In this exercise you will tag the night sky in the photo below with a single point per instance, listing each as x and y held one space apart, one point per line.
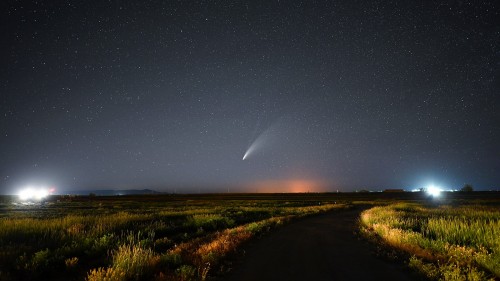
324 95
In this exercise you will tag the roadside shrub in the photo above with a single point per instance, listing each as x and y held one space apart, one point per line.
171 259
137 262
40 260
106 274
104 243
186 272
71 262
208 221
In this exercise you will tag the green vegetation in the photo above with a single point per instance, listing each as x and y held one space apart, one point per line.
445 242
192 237
137 237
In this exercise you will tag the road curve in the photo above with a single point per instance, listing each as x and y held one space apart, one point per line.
322 247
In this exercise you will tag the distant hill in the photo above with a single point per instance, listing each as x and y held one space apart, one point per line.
112 192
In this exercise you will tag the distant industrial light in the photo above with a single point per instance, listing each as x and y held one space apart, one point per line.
434 191
31 193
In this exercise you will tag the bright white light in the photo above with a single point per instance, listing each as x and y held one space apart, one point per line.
434 191
25 194
31 193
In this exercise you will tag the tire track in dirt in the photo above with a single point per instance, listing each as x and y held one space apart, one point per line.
322 247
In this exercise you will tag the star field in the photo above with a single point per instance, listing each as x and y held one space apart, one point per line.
170 95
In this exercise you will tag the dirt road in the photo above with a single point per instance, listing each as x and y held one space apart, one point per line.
323 247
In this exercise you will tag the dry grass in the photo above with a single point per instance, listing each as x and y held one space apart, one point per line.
450 243
197 258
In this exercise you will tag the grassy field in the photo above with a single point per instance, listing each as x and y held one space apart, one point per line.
194 237
445 240
161 237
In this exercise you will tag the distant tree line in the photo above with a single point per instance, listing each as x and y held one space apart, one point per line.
467 188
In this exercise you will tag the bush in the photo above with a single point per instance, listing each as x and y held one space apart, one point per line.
106 274
186 272
136 261
71 262
40 260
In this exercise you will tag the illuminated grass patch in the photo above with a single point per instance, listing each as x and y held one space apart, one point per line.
449 243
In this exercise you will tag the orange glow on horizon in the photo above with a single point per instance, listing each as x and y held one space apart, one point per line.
292 186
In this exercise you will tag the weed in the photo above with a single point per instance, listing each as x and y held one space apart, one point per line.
186 272
137 262
71 262
106 274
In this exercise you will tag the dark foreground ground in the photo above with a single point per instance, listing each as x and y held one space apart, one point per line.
323 247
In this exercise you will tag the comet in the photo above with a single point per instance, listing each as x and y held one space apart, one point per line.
254 146
249 150
260 142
